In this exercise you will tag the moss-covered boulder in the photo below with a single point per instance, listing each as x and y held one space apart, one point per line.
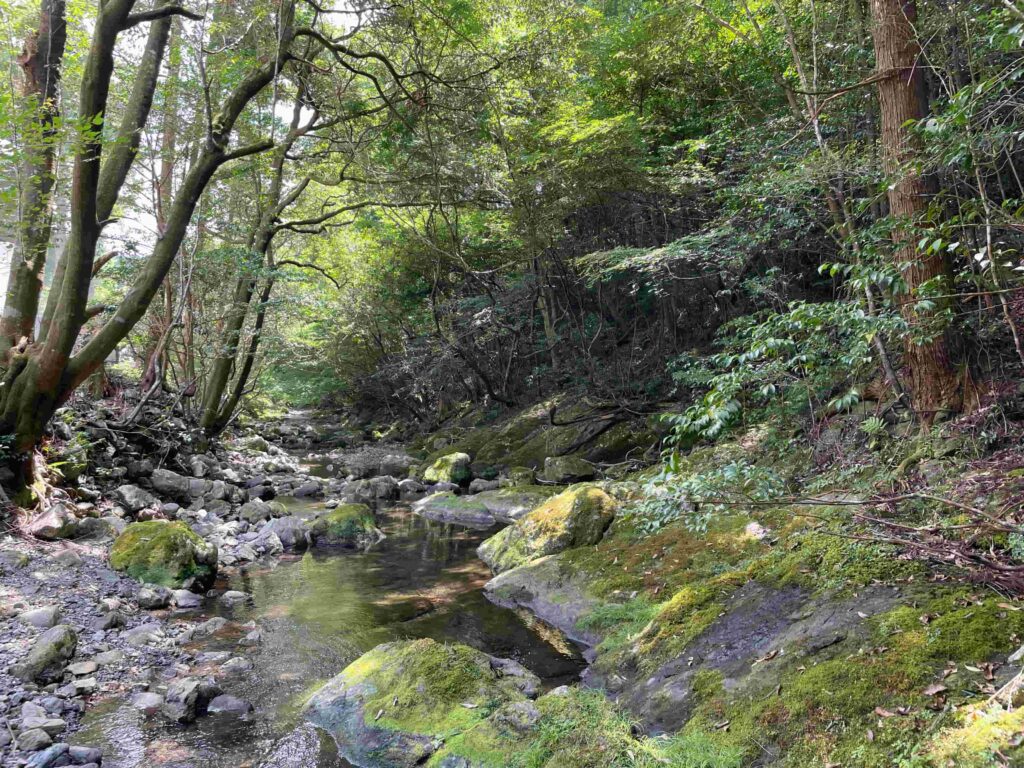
348 525
510 504
447 507
170 554
577 517
450 468
48 655
396 706
516 476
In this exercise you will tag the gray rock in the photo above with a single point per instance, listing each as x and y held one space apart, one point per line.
236 666
448 508
480 485
80 668
395 465
86 755
34 740
50 757
146 634
290 531
567 469
233 597
133 498
188 698
58 522
371 490
311 488
254 511
170 483
48 656
182 598
108 658
147 702
42 618
153 597
229 705
54 726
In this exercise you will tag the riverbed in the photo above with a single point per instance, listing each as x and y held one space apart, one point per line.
318 613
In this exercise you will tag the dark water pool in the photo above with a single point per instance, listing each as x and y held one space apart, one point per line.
318 613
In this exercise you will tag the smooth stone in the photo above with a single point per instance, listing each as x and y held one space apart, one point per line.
43 618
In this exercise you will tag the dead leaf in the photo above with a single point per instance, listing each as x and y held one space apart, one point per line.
379 714
884 712
934 689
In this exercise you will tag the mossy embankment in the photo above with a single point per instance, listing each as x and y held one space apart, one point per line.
774 618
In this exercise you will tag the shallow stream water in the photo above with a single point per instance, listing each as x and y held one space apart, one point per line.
318 613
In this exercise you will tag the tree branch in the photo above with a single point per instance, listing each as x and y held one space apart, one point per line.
164 12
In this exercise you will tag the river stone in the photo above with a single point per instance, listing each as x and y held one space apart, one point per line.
236 665
48 655
34 739
446 507
86 755
385 709
310 488
451 468
290 531
148 702
187 698
371 490
254 511
395 465
52 725
516 476
41 618
50 757
567 469
182 598
58 522
170 483
349 525
80 668
134 499
229 705
153 597
577 517
169 554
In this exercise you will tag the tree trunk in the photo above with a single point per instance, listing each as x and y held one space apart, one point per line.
41 61
936 387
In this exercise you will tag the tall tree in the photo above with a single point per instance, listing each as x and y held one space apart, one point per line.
903 100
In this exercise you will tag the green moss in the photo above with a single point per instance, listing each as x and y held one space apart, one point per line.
985 737
421 686
346 523
450 468
159 552
574 518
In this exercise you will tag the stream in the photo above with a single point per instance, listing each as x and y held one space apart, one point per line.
318 613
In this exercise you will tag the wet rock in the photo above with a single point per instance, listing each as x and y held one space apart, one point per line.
84 755
164 553
188 698
409 487
567 469
253 638
50 757
452 468
49 654
395 465
153 597
311 488
233 597
134 499
229 705
576 517
58 522
510 504
42 618
420 687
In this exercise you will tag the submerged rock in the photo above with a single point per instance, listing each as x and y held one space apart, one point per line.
169 554
348 525
386 709
452 468
576 517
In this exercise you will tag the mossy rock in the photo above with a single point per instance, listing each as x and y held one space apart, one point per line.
48 656
567 469
450 468
348 525
510 504
447 507
394 706
577 517
170 554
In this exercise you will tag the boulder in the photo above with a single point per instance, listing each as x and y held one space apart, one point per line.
567 469
148 702
58 522
510 504
577 517
187 698
451 468
446 507
170 484
348 525
386 708
308 489
169 554
48 656
479 485
518 476
395 465
153 597
41 618
254 511
34 739
290 531
229 705
371 490
133 498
